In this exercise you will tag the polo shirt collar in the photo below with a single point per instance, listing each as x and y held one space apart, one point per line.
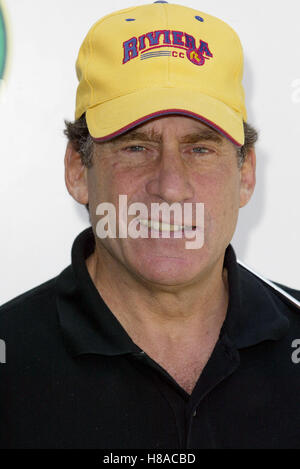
255 313
88 326
87 323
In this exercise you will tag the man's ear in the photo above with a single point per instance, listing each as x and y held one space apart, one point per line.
76 175
247 177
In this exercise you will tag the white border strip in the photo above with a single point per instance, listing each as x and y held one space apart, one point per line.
272 285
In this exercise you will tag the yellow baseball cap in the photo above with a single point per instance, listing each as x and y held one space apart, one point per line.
157 59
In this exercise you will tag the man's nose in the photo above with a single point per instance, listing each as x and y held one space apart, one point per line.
171 180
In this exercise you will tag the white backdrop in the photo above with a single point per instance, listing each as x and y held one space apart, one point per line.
39 220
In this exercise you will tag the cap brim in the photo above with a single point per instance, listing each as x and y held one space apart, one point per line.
116 116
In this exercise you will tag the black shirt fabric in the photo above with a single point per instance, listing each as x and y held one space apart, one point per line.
73 378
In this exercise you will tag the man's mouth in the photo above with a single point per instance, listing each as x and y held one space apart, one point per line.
162 226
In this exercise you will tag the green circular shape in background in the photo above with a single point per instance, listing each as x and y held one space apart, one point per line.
3 44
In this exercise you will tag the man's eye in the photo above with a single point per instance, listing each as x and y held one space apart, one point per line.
201 150
135 148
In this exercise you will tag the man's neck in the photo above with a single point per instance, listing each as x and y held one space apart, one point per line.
162 315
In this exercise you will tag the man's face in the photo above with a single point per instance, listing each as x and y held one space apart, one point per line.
171 159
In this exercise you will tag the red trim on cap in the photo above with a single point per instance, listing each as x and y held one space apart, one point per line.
163 113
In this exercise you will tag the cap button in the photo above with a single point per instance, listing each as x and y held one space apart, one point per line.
160 1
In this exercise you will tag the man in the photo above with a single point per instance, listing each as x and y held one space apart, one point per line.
146 341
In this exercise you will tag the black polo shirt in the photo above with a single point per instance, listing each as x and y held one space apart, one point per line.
73 378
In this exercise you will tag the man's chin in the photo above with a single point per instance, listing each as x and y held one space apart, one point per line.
167 270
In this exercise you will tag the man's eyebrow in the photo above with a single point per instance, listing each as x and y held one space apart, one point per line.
152 136
200 135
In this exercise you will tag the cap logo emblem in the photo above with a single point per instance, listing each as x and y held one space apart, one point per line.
146 46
